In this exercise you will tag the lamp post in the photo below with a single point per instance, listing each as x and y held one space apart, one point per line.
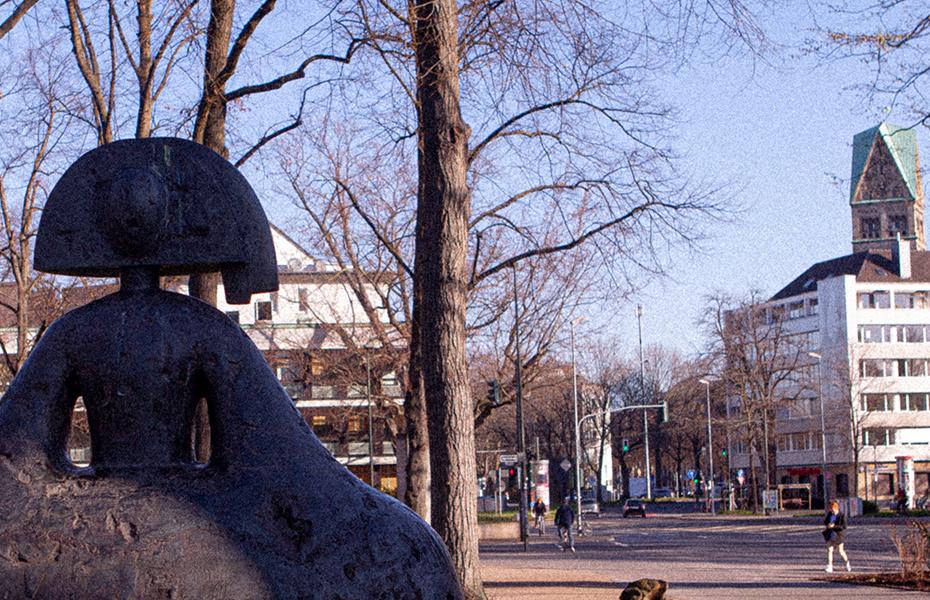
574 322
823 427
710 448
642 385
521 430
371 437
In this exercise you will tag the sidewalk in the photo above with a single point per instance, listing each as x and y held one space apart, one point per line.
719 558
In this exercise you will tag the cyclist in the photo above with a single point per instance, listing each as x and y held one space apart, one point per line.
539 510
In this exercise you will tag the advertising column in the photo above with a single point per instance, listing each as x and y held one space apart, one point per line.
905 471
540 470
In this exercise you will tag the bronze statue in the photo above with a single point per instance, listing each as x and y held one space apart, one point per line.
272 514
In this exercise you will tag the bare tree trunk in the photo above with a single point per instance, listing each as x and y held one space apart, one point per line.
210 130
443 208
18 13
417 494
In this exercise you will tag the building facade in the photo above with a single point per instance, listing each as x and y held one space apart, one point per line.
860 331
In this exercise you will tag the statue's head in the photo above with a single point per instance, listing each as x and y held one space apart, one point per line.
158 202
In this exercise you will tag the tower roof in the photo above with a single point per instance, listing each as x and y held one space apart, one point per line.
901 143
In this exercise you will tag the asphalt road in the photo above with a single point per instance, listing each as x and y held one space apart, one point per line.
701 556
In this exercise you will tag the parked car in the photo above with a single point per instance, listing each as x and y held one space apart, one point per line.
634 506
589 505
662 493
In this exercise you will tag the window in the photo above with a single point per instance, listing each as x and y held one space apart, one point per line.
318 421
263 311
303 300
784 443
795 310
914 367
913 402
842 484
910 300
871 228
813 306
876 299
884 484
878 437
872 367
876 402
233 315
354 425
912 334
874 334
322 391
356 391
316 366
897 224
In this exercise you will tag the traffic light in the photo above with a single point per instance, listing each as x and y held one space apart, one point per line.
626 445
494 392
723 453
665 411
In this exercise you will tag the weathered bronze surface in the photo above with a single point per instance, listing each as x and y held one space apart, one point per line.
273 514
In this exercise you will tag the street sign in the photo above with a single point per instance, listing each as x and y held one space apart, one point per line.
741 476
508 460
565 464
691 473
770 499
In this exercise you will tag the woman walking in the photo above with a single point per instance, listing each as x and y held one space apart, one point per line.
834 526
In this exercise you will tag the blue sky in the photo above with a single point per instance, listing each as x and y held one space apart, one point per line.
780 133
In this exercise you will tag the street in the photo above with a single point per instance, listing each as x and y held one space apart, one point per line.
701 556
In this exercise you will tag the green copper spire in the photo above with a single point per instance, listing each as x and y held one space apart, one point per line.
901 142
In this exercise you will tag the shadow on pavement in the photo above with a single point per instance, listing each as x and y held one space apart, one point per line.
602 585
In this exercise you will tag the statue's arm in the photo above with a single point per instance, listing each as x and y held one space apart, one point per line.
35 411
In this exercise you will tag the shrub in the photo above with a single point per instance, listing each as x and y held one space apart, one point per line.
913 546
869 507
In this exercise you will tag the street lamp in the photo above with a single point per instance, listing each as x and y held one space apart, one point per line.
371 430
576 321
710 447
823 427
642 385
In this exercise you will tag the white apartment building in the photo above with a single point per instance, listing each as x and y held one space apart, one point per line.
867 316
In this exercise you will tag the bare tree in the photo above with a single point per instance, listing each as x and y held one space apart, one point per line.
19 11
36 107
890 38
761 362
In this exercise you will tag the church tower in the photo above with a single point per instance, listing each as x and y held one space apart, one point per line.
886 192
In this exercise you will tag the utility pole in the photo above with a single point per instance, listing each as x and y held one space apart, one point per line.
710 450
642 386
371 437
521 431
577 431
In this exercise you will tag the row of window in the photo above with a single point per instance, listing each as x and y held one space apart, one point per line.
265 309
883 299
796 442
894 367
792 310
871 227
895 402
886 436
890 334
799 409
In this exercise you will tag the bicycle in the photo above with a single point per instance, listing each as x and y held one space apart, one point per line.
584 527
